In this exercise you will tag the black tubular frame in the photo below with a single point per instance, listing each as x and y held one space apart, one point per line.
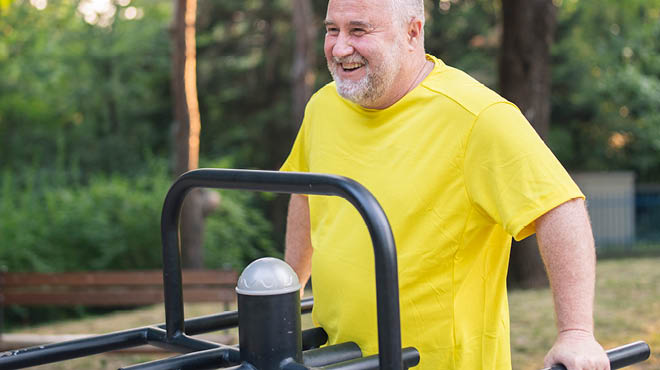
387 286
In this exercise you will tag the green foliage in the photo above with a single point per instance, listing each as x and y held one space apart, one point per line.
109 223
244 63
606 86
238 233
96 95
464 34
113 222
83 108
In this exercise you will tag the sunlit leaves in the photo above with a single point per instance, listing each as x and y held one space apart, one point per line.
64 77
607 85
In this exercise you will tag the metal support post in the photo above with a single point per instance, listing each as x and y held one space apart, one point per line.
269 328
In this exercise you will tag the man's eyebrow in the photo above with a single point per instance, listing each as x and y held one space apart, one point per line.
360 24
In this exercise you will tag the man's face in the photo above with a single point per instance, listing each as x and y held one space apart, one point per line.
363 48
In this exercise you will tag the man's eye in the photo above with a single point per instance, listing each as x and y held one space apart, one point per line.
332 31
358 31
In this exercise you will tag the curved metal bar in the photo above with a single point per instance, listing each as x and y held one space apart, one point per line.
387 286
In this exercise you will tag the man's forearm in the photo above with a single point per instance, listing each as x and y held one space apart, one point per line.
567 246
298 245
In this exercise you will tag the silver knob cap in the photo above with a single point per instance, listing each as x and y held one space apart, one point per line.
267 276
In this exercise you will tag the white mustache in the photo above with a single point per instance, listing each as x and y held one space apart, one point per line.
354 58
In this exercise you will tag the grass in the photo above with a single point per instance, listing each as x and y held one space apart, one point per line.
626 310
627 307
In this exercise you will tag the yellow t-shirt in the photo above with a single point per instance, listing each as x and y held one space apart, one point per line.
458 171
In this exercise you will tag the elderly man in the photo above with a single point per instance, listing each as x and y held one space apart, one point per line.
459 171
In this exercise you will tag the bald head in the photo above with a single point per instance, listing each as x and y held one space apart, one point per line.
406 10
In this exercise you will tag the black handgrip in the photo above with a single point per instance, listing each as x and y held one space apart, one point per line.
621 356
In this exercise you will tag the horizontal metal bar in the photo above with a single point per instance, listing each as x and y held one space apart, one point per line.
410 357
622 356
183 344
314 338
209 323
155 336
208 359
46 354
228 320
331 354
628 354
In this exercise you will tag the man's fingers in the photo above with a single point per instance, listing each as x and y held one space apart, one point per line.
577 351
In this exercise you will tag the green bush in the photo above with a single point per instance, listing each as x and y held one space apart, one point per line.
110 223
238 233
113 223
51 223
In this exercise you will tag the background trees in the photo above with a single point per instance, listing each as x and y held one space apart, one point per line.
86 142
85 101
606 81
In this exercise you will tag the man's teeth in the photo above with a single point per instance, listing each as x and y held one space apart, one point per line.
351 65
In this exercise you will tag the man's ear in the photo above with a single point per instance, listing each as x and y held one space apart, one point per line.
415 33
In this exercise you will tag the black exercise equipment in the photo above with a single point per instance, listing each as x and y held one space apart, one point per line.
268 315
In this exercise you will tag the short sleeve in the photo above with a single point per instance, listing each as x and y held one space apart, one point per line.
298 159
512 177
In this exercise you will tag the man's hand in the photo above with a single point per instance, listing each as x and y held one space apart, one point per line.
577 350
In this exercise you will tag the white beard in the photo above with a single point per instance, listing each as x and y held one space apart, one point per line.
377 80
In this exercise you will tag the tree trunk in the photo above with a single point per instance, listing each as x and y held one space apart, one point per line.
527 34
303 59
187 128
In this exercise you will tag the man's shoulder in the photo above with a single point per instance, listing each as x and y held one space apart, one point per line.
462 89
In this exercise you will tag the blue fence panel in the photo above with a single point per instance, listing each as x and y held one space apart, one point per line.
647 214
621 221
612 219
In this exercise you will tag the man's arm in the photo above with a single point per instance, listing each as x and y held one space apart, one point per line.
298 245
567 247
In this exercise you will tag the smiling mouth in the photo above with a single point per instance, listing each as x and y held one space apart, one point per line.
349 67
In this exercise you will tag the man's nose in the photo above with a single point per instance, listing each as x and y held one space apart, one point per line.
343 46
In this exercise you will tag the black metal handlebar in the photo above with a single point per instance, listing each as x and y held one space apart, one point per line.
621 356
387 286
